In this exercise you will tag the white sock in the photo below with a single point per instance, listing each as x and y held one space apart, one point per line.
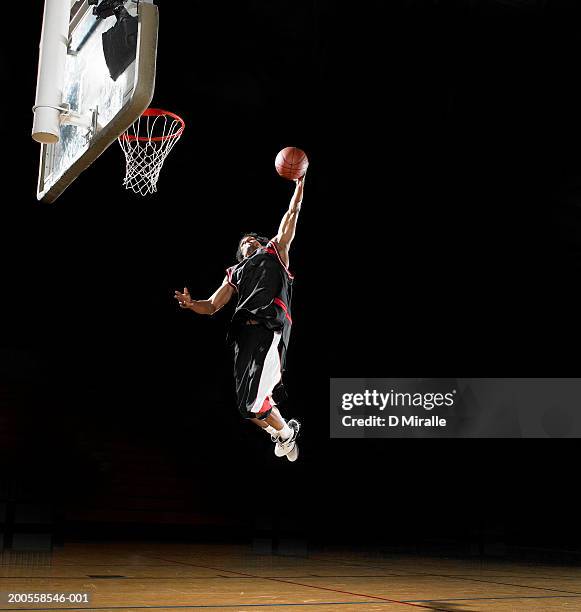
286 432
271 430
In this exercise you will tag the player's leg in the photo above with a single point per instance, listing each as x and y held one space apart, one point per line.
257 370
282 433
286 445
274 424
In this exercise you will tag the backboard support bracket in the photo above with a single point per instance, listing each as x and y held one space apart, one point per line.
70 117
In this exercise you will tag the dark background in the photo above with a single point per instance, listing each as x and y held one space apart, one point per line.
440 236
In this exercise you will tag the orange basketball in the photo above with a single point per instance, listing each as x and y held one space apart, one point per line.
291 163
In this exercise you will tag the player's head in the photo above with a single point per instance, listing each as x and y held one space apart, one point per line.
248 244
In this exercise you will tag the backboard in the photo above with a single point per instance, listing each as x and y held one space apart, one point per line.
98 103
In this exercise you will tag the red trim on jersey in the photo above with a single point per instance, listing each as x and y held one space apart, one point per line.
274 251
265 406
229 277
280 303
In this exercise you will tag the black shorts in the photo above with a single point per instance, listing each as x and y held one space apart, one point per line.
258 366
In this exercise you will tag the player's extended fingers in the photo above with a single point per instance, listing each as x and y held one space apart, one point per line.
186 292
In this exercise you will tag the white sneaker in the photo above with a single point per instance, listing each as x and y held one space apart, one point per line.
294 454
285 448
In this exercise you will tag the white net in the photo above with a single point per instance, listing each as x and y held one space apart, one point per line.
146 144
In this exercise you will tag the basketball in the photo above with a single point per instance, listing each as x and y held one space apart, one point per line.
291 163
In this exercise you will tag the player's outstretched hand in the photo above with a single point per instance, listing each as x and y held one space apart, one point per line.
301 180
184 298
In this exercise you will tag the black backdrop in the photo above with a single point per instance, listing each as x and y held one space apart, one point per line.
439 237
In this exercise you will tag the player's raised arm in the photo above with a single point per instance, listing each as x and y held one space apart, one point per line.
206 307
288 225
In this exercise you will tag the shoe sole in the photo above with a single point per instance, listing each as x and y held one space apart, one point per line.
294 454
284 454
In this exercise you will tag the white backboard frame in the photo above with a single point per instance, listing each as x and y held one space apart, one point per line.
122 102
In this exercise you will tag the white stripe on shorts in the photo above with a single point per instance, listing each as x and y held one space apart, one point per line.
270 375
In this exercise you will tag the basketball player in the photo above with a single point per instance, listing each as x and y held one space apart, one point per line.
261 325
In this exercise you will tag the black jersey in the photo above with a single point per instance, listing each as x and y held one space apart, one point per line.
264 287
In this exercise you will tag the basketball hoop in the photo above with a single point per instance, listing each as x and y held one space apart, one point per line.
146 144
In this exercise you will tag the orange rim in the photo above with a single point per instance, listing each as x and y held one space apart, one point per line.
157 112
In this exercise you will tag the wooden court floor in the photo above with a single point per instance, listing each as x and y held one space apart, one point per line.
169 577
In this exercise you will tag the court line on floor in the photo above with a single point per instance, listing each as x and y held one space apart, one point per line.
118 577
521 586
518 577
456 577
415 574
252 577
473 579
501 598
427 574
343 562
288 605
285 605
101 564
375 564
309 586
378 564
221 606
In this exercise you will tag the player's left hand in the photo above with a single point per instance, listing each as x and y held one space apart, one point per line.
184 298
